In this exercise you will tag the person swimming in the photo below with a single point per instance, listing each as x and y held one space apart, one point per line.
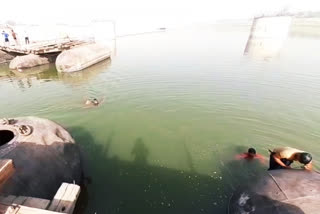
250 155
92 101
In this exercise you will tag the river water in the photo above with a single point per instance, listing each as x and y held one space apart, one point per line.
177 107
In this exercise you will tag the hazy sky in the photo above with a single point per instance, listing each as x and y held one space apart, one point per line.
148 12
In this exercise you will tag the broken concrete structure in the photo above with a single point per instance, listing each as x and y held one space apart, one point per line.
81 57
44 154
28 61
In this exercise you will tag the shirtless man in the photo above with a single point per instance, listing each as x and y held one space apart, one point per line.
282 158
14 36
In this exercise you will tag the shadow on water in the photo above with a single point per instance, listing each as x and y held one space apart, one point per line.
120 186
140 152
189 158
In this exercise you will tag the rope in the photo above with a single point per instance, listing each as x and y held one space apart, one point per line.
278 186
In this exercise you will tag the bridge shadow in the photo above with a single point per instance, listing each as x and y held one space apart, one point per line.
120 186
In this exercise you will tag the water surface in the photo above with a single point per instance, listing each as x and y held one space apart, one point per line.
178 106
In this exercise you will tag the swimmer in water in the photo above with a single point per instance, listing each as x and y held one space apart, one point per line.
250 155
93 102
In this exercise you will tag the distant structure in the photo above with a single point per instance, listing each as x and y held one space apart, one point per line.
267 35
88 45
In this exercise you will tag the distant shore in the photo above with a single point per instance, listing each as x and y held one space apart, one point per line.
300 26
305 27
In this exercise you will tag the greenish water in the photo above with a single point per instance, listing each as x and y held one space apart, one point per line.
178 106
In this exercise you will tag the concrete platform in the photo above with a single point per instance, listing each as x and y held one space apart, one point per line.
280 192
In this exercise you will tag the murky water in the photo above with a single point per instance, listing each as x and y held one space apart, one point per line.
178 106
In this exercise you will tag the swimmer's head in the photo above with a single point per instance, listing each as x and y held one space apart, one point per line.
252 152
95 101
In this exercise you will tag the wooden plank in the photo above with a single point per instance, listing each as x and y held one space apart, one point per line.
41 47
19 200
67 201
56 199
36 203
6 170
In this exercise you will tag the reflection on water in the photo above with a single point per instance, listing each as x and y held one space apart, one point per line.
82 77
46 73
31 71
43 73
25 79
178 107
4 73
